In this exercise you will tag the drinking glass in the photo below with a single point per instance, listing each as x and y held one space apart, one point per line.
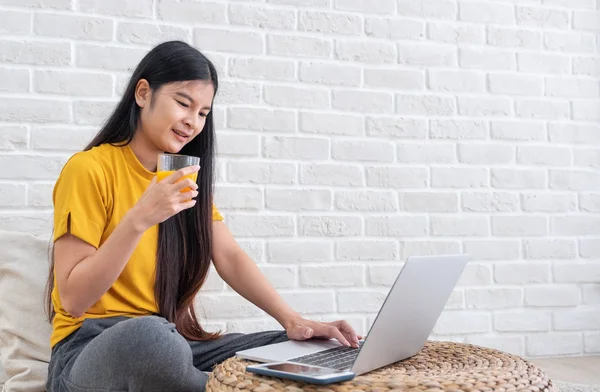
170 163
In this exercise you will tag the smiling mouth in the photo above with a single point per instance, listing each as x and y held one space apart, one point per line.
180 133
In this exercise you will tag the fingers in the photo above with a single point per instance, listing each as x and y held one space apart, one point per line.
187 204
339 330
351 338
337 334
347 331
331 331
173 178
185 196
185 183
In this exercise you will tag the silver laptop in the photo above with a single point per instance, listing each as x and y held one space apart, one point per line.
400 330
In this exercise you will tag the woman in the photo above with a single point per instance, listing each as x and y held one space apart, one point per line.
131 253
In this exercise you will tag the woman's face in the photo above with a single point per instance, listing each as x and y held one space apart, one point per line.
174 114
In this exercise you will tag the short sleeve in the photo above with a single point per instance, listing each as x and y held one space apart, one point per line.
79 197
216 214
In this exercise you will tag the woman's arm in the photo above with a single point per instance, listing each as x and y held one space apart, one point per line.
238 270
84 274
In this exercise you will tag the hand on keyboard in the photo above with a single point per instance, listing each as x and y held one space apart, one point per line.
301 329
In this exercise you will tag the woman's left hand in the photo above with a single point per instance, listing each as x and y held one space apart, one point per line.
303 329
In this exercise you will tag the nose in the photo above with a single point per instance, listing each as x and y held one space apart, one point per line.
191 122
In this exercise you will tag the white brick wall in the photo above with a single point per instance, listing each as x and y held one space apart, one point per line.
353 134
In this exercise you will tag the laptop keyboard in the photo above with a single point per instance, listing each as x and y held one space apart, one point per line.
335 358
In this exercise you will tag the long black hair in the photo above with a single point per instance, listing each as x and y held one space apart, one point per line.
184 241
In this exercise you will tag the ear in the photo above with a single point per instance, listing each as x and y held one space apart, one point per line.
143 93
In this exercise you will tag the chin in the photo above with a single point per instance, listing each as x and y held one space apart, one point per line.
173 148
173 145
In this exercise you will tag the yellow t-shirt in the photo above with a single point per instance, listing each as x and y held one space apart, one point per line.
95 189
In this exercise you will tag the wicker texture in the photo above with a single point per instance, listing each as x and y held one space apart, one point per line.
439 367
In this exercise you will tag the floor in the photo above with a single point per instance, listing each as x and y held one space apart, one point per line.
582 370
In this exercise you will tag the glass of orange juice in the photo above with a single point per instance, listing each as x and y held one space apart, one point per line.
170 163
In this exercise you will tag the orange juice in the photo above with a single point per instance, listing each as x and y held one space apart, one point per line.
163 174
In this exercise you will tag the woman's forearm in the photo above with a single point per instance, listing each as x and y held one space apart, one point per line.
242 275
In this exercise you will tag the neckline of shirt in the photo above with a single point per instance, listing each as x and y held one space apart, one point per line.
135 163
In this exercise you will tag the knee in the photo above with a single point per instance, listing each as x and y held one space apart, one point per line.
145 328
151 342
142 353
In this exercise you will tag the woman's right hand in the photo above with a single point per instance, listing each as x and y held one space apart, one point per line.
163 199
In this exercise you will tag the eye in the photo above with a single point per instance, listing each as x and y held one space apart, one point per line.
203 114
183 104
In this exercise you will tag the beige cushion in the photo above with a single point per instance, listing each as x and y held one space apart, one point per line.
3 376
24 329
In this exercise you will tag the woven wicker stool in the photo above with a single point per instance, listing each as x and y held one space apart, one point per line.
439 367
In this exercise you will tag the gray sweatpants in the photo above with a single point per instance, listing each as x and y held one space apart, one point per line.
141 354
